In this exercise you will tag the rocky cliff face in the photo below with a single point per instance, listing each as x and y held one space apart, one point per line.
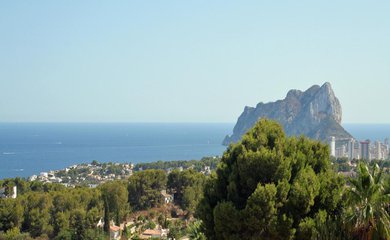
315 113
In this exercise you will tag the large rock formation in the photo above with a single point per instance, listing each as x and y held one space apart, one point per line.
315 113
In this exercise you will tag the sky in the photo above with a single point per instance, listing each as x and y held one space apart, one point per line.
188 61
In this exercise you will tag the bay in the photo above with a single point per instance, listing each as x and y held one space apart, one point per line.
31 148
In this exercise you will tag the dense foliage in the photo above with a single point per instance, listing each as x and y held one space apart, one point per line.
269 186
47 210
51 210
368 205
115 200
198 165
187 187
145 188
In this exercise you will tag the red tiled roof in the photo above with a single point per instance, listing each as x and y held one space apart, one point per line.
115 228
151 232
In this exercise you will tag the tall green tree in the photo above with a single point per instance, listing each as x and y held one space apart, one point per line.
114 195
268 185
60 222
106 217
77 224
11 214
187 187
37 214
145 188
368 203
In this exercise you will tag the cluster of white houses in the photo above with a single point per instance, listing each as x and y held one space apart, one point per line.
90 173
353 149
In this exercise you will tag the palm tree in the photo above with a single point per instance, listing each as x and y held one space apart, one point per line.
368 201
194 231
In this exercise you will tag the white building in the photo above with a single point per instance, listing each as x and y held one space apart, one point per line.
44 174
4 195
168 198
14 192
33 178
332 144
378 150
365 150
351 149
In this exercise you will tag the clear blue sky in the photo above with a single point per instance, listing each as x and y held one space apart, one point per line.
188 61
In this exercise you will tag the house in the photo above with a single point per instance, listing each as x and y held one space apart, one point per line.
151 233
44 175
14 192
168 198
115 233
3 193
33 178
129 226
100 224
164 233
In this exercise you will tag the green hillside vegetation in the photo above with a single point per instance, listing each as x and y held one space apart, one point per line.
198 165
52 211
267 186
187 187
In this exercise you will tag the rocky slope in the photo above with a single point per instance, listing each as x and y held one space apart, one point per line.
315 113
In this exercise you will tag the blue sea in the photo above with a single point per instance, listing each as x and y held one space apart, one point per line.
31 148
368 131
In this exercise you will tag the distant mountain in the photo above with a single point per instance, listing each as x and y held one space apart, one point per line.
315 113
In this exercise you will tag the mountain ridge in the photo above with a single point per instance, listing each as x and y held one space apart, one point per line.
315 113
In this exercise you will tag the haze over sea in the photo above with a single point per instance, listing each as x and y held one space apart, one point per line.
31 148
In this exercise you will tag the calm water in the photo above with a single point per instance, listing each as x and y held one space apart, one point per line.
369 131
30 148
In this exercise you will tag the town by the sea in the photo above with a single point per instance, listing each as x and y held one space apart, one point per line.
30 148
